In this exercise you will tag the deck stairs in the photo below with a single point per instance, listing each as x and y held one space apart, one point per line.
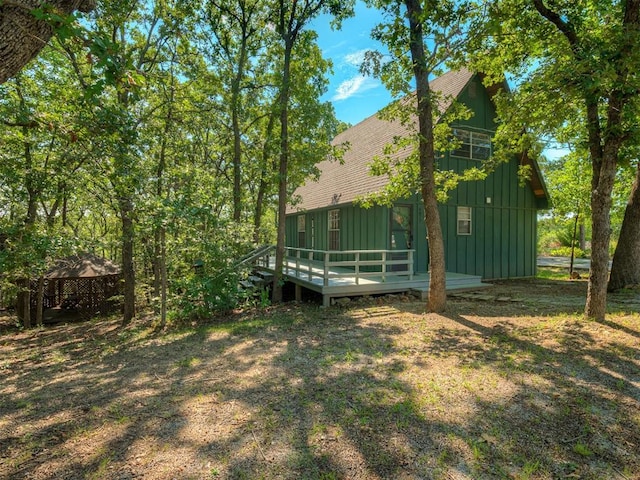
258 279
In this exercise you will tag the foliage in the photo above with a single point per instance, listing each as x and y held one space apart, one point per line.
567 252
117 141
574 63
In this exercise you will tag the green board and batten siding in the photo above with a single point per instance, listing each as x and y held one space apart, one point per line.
502 243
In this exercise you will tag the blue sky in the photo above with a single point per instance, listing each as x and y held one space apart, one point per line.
354 96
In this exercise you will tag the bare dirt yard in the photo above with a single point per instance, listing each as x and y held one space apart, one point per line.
513 384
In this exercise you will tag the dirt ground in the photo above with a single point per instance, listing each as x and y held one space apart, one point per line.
511 384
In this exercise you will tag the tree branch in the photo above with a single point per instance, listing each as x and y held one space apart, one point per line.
566 28
29 124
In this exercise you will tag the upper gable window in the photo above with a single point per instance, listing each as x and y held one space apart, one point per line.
474 145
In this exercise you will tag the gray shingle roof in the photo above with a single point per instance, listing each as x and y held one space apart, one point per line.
83 266
341 183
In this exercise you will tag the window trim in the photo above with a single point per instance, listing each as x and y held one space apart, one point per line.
333 224
462 219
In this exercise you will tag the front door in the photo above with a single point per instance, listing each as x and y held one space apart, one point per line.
401 234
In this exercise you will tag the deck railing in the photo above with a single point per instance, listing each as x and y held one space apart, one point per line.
325 265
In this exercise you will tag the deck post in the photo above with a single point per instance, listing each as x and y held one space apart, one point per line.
384 266
410 266
298 292
326 271
285 267
310 266
326 301
357 268
297 263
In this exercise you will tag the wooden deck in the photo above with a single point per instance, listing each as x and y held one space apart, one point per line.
358 273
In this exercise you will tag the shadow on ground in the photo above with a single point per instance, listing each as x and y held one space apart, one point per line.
373 391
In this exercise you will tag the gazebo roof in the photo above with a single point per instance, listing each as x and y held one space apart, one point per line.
83 266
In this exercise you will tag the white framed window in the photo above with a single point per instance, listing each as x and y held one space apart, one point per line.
334 229
473 145
302 231
464 220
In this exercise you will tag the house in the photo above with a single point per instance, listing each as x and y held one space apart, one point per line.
489 226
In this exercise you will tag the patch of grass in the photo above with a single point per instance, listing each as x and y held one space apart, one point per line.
102 470
552 273
406 413
189 362
582 449
58 356
328 476
117 411
351 356
318 429
529 469
479 450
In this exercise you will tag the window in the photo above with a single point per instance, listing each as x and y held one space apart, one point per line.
474 145
302 234
464 220
334 229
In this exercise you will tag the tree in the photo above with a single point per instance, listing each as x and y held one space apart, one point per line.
442 23
570 188
24 32
290 20
574 60
128 39
39 159
625 269
238 27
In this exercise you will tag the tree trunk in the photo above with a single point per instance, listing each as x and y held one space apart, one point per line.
40 304
437 271
625 269
163 276
573 243
282 171
157 254
257 217
30 184
583 236
604 176
237 134
262 186
128 271
22 35
29 178
23 304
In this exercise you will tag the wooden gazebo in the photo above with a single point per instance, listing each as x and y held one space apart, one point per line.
83 283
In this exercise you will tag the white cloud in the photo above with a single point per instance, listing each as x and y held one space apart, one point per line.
356 58
352 86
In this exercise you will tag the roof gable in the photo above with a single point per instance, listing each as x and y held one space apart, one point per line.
342 182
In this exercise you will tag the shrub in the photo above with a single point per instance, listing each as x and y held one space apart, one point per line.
566 252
